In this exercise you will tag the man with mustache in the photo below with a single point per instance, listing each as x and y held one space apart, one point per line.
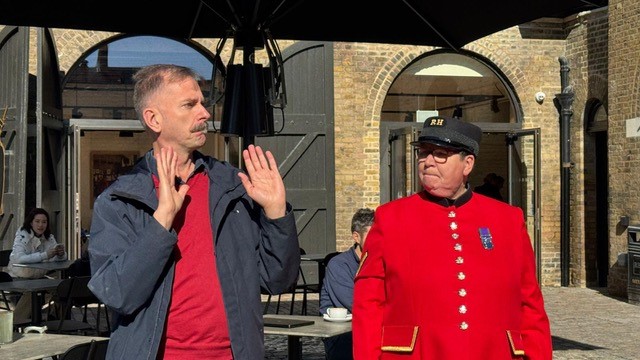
182 244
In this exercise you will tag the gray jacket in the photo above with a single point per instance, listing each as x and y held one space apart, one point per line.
132 261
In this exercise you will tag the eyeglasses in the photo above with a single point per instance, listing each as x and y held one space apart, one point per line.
440 155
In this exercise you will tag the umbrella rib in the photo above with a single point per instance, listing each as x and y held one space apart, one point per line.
589 3
272 18
203 2
195 20
429 24
275 10
233 12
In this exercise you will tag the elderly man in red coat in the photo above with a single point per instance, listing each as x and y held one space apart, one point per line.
446 273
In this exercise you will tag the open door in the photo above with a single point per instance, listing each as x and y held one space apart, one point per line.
45 175
398 172
523 182
14 102
73 189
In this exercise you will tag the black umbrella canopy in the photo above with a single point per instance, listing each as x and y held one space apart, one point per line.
446 23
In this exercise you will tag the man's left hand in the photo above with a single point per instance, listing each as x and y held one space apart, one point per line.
264 183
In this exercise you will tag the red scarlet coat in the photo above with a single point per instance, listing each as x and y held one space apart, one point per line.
427 287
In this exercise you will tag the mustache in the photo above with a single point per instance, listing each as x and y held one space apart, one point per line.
199 127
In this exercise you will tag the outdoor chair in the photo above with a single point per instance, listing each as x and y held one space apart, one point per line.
74 292
5 277
300 287
4 258
323 266
303 287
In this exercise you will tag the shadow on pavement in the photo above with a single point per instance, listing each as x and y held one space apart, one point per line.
566 344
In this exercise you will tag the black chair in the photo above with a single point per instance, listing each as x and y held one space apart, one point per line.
300 287
73 292
86 298
290 290
95 350
5 277
303 287
323 265
4 258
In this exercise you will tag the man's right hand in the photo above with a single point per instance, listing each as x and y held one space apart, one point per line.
169 199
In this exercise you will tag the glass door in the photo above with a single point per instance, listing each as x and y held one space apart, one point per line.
523 182
92 145
74 170
521 159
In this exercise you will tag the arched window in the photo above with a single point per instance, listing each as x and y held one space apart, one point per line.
100 86
449 84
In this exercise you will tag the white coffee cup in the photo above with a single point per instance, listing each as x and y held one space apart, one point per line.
6 327
337 312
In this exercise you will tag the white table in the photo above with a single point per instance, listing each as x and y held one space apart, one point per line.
61 266
37 346
320 328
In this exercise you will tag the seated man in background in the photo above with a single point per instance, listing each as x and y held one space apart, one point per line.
337 286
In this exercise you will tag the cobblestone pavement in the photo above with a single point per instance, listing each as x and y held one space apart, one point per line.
589 324
585 324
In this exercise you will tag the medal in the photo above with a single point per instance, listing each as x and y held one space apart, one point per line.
485 237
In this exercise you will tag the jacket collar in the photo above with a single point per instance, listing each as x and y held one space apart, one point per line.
461 200
137 185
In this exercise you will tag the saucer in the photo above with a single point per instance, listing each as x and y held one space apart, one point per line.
329 318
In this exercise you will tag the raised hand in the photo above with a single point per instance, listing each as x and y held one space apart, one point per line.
170 199
264 183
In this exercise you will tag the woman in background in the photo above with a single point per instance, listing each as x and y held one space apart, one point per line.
33 243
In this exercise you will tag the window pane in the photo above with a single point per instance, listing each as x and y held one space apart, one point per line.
100 86
448 84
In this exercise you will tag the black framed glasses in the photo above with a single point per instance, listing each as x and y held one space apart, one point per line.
440 155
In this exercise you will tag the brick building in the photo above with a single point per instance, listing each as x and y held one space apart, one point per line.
601 51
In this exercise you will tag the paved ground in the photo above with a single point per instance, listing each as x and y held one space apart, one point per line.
588 324
585 324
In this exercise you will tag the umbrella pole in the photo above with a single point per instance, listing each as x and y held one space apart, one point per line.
248 53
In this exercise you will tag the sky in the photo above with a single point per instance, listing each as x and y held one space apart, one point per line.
139 51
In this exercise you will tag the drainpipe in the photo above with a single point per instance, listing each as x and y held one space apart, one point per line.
563 103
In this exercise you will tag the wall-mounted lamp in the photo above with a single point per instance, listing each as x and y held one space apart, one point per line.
76 113
540 97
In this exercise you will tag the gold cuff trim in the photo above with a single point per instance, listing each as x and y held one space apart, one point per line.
404 348
515 351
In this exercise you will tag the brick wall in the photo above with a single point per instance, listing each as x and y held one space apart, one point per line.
587 57
624 104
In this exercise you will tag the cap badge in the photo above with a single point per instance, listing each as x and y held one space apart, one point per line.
485 237
437 121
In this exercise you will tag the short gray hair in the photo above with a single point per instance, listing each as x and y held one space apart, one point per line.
149 79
